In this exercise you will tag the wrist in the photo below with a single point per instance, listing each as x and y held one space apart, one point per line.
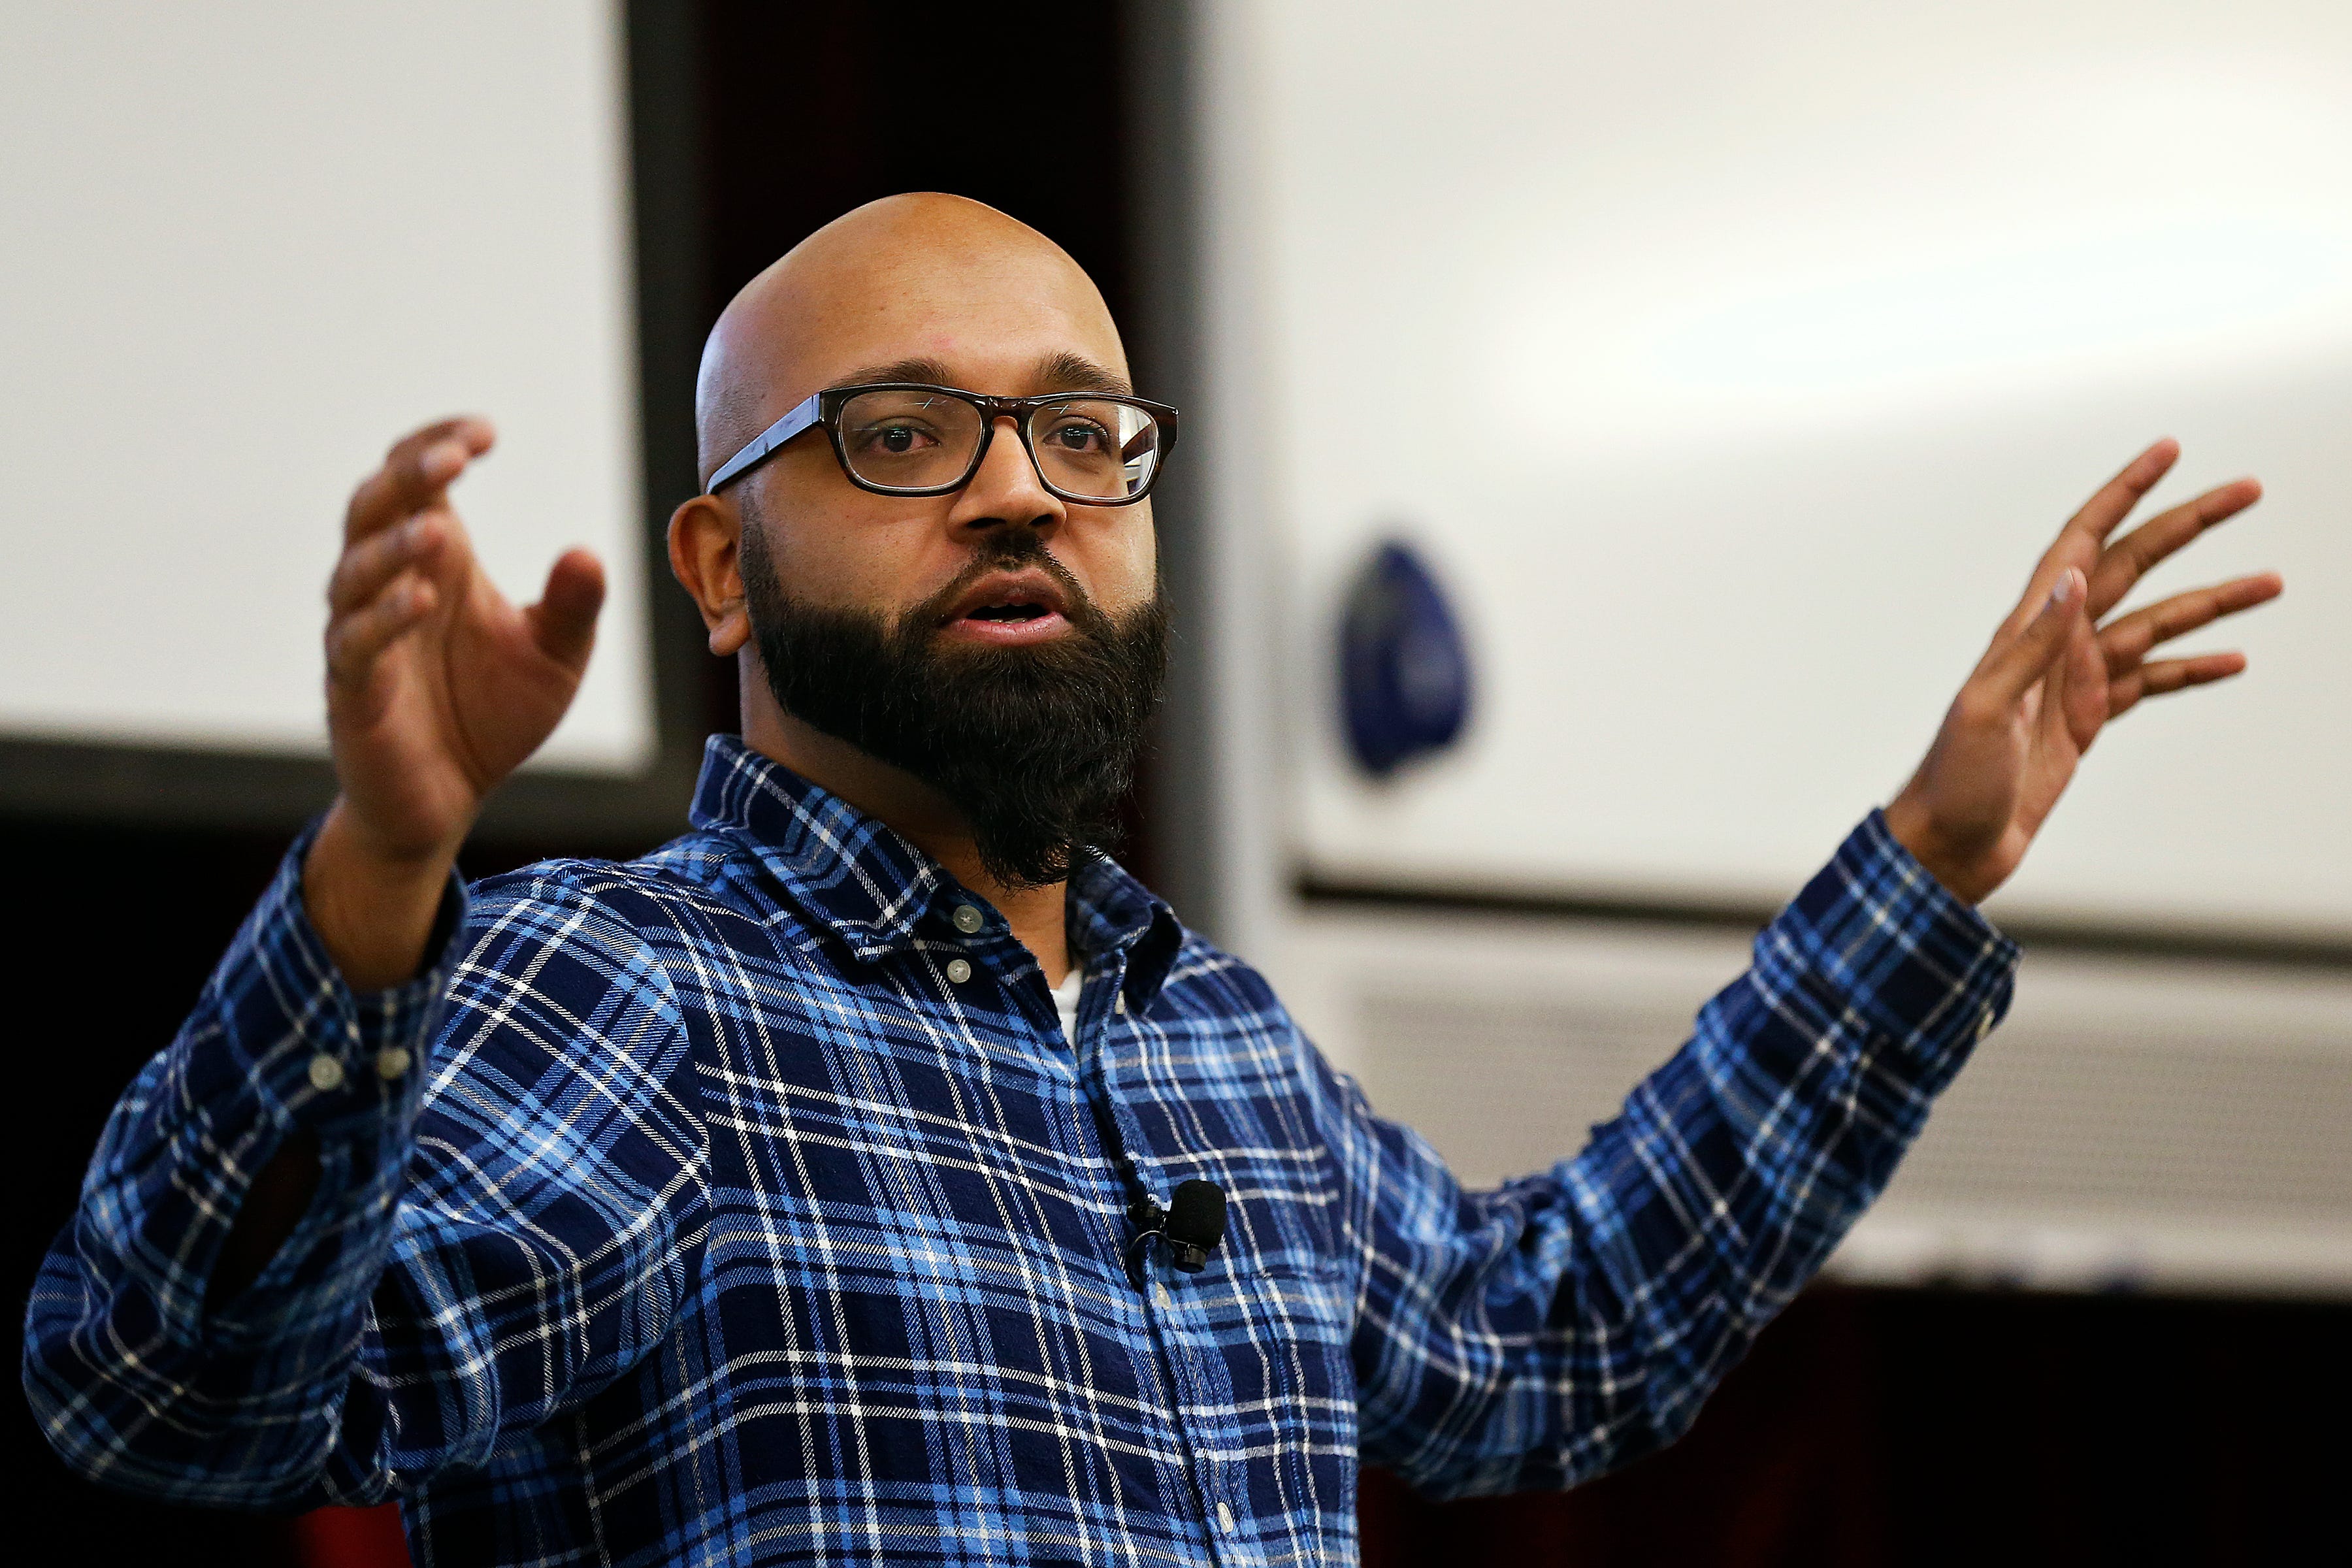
1914 826
373 906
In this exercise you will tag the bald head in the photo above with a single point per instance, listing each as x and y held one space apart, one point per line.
897 282
974 666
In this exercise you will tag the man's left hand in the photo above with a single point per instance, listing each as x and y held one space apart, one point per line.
2054 677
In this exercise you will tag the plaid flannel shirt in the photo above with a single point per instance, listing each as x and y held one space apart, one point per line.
746 1204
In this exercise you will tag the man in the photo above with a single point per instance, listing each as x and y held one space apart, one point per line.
791 1194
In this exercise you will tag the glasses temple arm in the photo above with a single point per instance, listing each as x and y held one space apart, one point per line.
804 413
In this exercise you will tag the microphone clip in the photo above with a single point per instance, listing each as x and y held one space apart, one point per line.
1192 1225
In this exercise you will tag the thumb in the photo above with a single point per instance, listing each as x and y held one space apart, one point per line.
564 622
2081 688
2029 657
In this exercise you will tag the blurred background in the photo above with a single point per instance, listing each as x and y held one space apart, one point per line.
1611 433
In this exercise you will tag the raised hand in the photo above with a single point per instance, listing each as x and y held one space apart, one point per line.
437 688
2054 677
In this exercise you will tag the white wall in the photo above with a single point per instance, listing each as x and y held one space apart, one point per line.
2135 1122
1733 363
245 246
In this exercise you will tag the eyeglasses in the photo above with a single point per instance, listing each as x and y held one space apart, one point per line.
906 439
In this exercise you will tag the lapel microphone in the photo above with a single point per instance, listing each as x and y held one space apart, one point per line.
1191 1224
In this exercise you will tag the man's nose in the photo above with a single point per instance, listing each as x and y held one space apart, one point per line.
1006 488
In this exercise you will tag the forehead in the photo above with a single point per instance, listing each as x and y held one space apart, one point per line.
992 320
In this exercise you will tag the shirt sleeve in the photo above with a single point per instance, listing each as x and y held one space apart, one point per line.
488 1241
1572 1322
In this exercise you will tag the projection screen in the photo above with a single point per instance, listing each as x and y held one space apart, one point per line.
247 246
1732 364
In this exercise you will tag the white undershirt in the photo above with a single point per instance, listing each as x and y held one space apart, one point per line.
1066 1002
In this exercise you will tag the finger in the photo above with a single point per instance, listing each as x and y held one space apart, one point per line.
2125 561
2170 675
413 478
564 622
367 566
2011 670
2077 543
354 641
419 467
2127 639
2114 499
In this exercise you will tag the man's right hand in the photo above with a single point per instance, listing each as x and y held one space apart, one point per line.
437 688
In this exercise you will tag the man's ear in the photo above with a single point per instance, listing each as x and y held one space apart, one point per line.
706 550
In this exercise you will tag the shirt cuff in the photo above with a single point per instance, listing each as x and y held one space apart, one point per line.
1919 964
294 1048
314 1052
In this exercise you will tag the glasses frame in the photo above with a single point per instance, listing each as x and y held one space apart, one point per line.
824 408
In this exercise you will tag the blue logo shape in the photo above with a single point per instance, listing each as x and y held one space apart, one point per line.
1404 671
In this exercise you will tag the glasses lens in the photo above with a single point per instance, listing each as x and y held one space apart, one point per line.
1095 448
908 440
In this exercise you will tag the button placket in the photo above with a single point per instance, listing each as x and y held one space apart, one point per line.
1196 1372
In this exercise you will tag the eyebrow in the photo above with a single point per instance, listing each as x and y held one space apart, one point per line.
928 371
1066 372
1063 371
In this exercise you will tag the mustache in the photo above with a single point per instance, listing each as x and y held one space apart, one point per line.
1007 550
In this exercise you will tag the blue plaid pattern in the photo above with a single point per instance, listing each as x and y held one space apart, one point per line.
719 1224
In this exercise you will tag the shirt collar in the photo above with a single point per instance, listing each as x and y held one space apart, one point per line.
873 889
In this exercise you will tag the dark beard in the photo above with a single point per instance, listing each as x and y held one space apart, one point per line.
1035 745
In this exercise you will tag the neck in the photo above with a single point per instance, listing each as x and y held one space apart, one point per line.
917 812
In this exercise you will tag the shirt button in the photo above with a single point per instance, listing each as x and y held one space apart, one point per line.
1984 1025
326 1073
967 919
959 971
1160 1294
392 1063
1225 1517
1118 1002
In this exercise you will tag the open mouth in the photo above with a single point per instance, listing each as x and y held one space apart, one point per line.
1011 610
1009 607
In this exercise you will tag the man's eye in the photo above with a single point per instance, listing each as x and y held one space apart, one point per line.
1080 438
896 440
